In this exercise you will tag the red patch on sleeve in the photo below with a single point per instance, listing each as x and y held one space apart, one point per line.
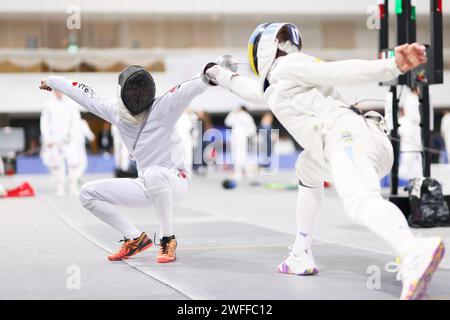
75 83
174 89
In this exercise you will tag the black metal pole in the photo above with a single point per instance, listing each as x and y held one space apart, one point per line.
425 129
383 34
395 142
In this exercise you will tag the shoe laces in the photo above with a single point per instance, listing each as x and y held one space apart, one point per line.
395 267
165 247
124 240
127 243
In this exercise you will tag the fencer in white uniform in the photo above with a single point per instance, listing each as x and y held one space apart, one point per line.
147 127
339 142
410 138
243 128
60 123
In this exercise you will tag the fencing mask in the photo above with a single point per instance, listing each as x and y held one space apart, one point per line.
264 43
136 89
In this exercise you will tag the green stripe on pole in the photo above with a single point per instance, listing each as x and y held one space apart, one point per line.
413 13
398 6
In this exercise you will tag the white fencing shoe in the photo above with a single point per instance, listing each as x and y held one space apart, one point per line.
417 267
302 265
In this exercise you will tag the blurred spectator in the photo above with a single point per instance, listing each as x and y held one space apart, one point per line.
410 137
83 136
60 127
200 165
185 127
105 142
125 167
266 126
243 128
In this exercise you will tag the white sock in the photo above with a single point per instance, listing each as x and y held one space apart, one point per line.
309 201
111 215
162 200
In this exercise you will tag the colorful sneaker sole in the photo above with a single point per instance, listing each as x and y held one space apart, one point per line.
284 269
165 260
136 252
418 289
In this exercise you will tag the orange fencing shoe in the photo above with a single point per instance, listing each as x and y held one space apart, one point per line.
167 250
131 247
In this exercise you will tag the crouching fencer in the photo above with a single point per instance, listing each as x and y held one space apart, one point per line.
147 127
339 142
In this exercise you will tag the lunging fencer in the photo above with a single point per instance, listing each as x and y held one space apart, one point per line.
339 142
147 127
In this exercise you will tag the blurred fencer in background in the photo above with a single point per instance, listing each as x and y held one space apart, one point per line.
185 126
410 137
243 131
61 132
81 138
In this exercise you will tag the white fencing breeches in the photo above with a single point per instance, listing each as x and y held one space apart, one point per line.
357 155
158 186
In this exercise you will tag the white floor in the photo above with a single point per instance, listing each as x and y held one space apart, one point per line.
230 242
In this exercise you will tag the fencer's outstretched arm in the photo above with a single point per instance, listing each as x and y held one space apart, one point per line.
81 93
170 106
353 72
346 72
246 88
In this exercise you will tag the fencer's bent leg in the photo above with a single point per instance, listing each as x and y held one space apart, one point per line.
309 199
102 197
164 187
355 155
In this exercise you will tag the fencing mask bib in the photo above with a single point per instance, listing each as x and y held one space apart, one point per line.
136 89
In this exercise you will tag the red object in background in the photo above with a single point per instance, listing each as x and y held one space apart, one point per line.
326 184
382 11
24 190
439 6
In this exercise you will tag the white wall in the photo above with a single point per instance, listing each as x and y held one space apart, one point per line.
190 7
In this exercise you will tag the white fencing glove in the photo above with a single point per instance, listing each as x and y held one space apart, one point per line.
220 76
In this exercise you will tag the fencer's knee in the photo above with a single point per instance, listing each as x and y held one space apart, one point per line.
357 205
87 196
156 178
306 173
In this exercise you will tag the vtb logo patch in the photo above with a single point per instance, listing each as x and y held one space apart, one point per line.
84 87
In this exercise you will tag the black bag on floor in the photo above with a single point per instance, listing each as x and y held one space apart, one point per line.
427 203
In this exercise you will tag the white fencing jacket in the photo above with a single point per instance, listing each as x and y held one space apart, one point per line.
60 123
159 143
302 94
